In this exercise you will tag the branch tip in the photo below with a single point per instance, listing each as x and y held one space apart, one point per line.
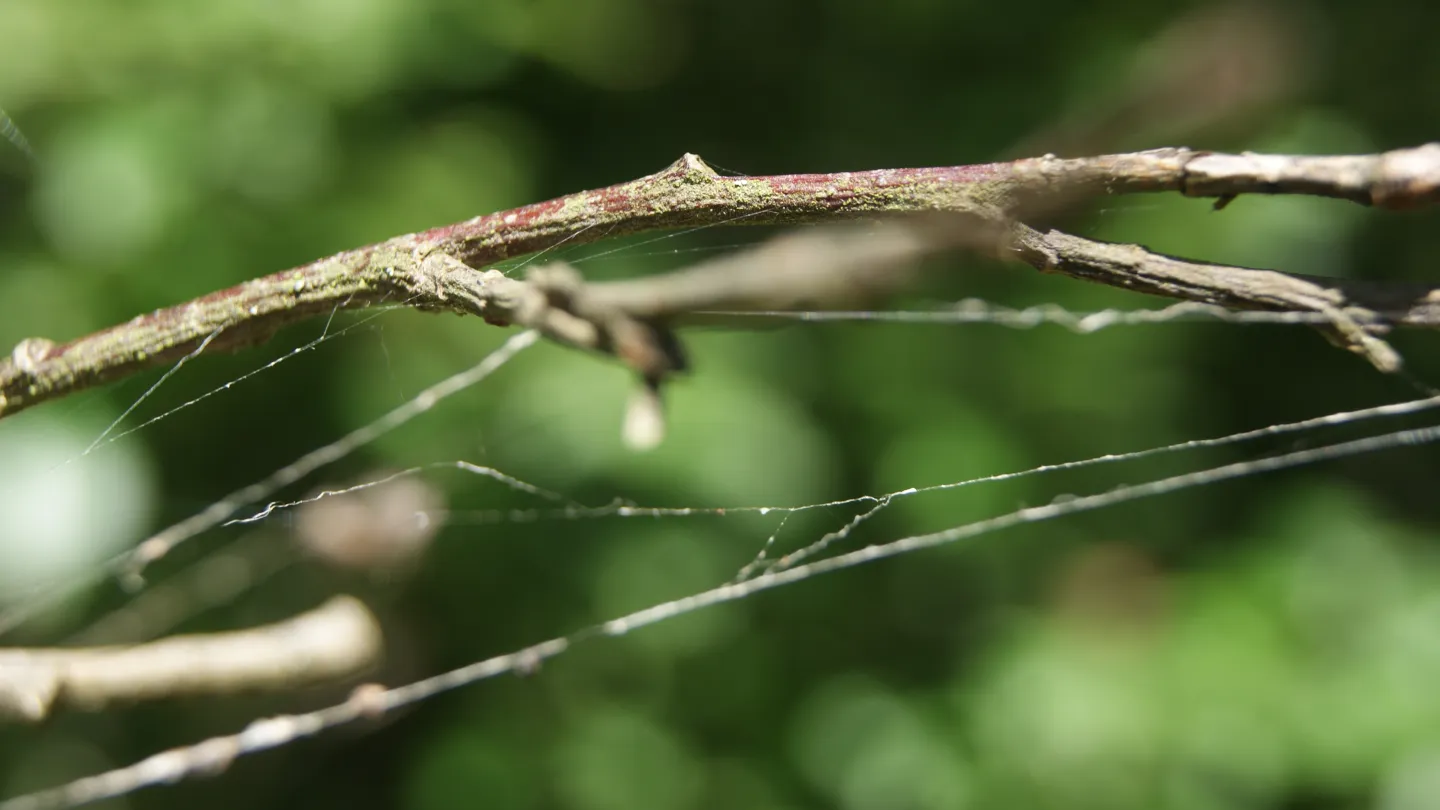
1410 178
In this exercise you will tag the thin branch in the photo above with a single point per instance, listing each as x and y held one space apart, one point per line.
686 194
1356 311
336 640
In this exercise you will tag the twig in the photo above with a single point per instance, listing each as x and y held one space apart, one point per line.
338 639
419 269
1356 311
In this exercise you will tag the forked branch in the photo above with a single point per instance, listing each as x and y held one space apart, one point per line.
442 269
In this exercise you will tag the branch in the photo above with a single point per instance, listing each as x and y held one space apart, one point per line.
1354 311
422 270
336 640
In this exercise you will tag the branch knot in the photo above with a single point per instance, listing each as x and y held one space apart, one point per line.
690 169
30 353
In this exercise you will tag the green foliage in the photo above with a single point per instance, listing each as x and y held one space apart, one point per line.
1269 643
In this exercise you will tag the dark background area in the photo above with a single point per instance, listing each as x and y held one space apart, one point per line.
1266 643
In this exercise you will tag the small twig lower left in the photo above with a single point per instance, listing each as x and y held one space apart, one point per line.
336 640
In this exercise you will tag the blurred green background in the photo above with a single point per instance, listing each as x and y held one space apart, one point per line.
1267 643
